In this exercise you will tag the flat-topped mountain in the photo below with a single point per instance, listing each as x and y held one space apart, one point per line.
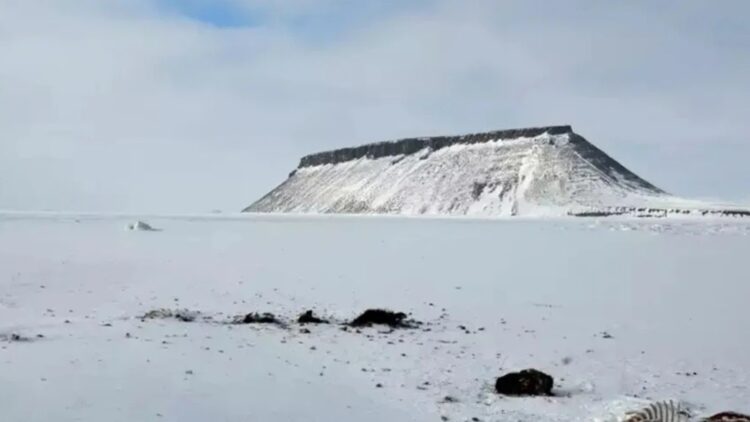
534 171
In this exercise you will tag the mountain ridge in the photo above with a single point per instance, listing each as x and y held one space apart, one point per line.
548 170
415 144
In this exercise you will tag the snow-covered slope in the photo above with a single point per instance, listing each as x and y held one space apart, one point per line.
535 171
512 172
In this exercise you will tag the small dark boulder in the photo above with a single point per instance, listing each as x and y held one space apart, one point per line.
257 318
308 317
392 319
185 316
729 417
528 382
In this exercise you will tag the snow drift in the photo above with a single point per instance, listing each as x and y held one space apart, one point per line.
534 171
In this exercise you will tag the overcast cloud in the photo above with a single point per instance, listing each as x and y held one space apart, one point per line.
189 106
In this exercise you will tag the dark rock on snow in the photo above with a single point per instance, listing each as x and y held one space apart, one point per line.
382 317
257 318
308 317
729 417
528 382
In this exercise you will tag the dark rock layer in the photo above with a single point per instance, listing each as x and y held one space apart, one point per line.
413 145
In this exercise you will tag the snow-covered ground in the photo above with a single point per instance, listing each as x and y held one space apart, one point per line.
671 294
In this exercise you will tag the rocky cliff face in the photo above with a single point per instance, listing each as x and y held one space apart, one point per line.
534 171
413 145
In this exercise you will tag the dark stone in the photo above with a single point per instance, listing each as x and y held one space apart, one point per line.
308 317
382 317
185 316
257 318
528 382
729 417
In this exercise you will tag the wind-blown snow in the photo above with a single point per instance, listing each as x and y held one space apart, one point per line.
672 294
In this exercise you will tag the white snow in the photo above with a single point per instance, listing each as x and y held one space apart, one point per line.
672 293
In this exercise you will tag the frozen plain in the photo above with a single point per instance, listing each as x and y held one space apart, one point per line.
671 293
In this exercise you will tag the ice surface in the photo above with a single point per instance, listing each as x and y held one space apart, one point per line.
671 293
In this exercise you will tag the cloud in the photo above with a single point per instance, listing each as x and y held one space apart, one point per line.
139 105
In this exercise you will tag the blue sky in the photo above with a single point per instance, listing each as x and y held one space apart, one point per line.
188 106
223 14
322 21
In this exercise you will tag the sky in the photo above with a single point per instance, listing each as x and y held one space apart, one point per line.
182 106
